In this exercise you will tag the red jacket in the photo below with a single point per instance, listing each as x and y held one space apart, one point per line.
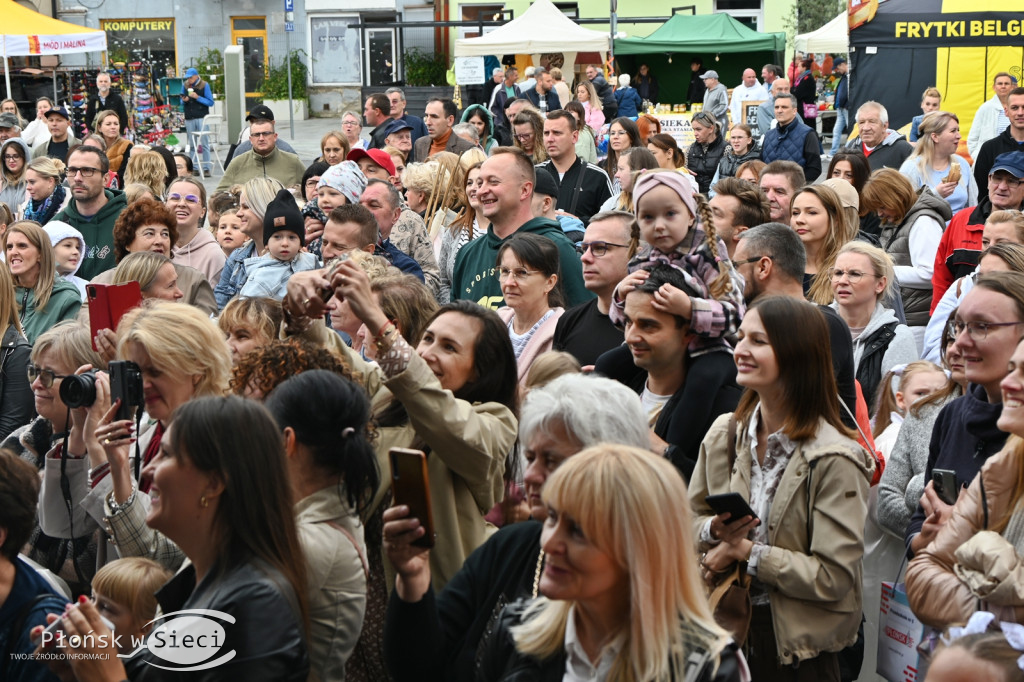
958 249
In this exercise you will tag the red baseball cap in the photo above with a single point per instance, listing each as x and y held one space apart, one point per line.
379 156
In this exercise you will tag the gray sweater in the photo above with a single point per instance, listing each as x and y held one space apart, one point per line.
716 101
902 483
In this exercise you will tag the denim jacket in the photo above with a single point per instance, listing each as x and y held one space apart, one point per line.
232 277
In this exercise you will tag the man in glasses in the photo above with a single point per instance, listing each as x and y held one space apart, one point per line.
244 145
265 160
1010 140
962 241
584 331
58 122
92 210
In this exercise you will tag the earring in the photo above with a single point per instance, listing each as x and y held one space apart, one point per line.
203 502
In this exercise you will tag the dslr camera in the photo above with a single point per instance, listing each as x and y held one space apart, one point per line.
79 390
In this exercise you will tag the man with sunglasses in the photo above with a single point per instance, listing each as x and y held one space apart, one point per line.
92 210
585 331
264 160
961 243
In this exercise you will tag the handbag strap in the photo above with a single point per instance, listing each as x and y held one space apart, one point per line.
984 500
731 441
351 538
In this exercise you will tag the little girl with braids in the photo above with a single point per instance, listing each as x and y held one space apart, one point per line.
680 230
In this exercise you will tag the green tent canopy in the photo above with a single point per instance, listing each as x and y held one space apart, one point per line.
702 34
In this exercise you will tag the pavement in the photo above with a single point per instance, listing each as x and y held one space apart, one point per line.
306 143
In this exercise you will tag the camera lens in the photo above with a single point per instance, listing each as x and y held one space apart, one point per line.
79 390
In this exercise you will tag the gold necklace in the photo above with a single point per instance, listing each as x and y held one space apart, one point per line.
536 574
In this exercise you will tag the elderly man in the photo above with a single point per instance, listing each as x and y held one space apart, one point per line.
747 91
792 139
884 147
991 118
439 117
264 160
396 96
105 99
398 134
716 96
9 127
766 111
770 73
543 95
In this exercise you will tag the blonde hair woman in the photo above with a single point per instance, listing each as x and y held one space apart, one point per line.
46 195
43 298
154 272
253 198
119 149
334 147
863 278
419 180
147 168
935 162
819 220
620 580
586 94
528 129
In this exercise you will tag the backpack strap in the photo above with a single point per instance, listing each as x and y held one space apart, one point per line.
352 539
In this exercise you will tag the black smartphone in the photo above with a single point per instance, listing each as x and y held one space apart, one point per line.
732 503
411 487
944 482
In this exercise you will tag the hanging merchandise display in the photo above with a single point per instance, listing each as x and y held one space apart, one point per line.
154 120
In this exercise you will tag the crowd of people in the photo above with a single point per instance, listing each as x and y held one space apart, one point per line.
591 351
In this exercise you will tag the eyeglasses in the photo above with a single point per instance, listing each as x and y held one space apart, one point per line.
737 263
86 172
312 182
189 198
599 249
11 157
518 274
350 123
853 275
46 376
266 134
1008 180
976 330
524 137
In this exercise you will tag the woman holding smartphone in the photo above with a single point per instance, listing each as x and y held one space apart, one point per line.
787 452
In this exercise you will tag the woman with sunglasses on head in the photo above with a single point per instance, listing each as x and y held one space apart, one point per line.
704 155
195 247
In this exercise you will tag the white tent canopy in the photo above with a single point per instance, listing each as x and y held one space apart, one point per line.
540 29
832 37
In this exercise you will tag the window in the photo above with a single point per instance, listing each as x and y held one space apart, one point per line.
748 12
135 39
335 50
477 12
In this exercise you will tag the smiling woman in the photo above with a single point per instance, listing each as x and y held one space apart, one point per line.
43 299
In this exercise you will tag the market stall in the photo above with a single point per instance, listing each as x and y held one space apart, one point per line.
900 47
725 44
543 28
28 33
833 37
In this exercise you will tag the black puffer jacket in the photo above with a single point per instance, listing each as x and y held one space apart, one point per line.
703 159
730 162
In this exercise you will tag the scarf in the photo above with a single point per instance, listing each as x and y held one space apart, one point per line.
43 212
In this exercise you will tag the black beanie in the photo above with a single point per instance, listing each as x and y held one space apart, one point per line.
283 214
